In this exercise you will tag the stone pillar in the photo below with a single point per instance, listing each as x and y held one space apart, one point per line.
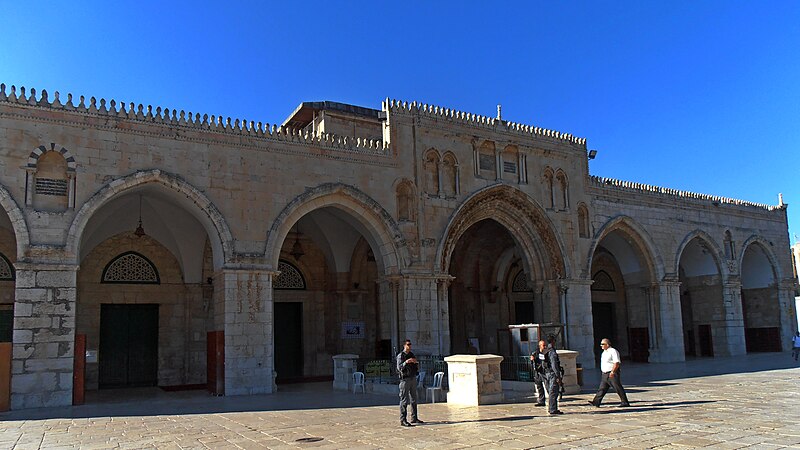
249 331
666 328
568 360
443 314
474 379
417 318
577 297
44 335
343 368
788 316
728 333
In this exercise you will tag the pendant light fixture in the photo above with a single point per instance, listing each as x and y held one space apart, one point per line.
139 229
297 249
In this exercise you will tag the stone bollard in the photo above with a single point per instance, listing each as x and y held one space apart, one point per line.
569 363
343 368
474 379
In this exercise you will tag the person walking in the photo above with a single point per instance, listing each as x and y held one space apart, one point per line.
552 376
609 365
538 360
796 345
407 370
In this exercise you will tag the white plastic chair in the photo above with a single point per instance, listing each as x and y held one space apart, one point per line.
437 386
421 379
358 382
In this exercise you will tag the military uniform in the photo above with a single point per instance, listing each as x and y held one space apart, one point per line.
407 372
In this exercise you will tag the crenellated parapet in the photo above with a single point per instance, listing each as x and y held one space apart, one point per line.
175 118
476 120
611 183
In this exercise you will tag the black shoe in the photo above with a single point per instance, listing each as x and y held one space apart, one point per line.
403 423
556 413
538 404
623 405
417 421
594 404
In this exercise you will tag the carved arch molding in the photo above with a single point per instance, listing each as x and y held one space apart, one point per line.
514 210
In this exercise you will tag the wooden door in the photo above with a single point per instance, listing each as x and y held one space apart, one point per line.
288 340
128 345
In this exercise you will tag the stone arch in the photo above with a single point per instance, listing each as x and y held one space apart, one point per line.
18 222
717 253
518 213
449 182
431 166
583 220
33 158
548 180
641 238
562 193
406 196
765 247
382 230
204 210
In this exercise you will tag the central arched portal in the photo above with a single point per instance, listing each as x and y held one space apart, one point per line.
327 296
494 285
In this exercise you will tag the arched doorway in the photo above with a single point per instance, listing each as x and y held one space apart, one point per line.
622 269
145 288
331 303
8 256
491 290
703 315
760 300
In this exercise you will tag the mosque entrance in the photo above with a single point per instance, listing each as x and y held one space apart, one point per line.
128 345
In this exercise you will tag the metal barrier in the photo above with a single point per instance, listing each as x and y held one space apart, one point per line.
384 371
516 368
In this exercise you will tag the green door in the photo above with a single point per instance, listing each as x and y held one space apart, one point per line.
128 345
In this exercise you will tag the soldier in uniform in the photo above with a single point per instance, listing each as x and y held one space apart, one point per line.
407 370
552 376
538 359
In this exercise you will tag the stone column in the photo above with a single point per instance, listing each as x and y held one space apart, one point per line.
728 333
44 335
666 341
788 316
443 313
343 368
417 318
579 329
249 330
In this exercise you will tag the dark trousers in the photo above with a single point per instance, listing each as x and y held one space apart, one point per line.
408 396
795 352
538 379
606 382
552 392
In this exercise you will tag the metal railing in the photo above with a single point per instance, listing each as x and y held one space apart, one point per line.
516 368
384 371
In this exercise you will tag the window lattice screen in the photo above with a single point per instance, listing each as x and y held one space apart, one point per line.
6 271
290 277
520 283
131 268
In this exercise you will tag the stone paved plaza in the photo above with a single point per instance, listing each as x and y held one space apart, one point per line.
700 403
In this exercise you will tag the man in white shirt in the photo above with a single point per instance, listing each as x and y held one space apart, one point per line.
609 365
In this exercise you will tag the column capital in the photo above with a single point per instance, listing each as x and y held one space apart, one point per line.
43 266
566 283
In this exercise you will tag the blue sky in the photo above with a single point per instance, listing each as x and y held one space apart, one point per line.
699 96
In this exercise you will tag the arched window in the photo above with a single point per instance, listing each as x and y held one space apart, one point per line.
289 278
431 165
487 161
583 221
51 187
450 175
6 269
520 283
603 282
563 190
130 268
405 201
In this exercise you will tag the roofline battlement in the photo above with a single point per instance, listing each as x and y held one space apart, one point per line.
603 182
477 120
173 117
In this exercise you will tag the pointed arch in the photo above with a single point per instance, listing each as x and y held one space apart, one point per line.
382 231
518 213
765 246
195 202
18 222
640 236
716 253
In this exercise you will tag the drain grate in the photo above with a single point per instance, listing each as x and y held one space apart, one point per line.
309 439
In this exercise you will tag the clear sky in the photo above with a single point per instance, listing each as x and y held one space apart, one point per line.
699 96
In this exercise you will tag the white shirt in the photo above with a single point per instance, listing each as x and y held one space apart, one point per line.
608 358
796 341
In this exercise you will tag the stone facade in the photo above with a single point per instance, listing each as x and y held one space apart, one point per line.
411 221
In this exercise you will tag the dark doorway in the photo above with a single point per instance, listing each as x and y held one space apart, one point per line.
523 312
128 345
288 341
762 339
602 325
639 341
706 343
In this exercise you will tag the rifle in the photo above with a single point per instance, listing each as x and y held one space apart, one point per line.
560 381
